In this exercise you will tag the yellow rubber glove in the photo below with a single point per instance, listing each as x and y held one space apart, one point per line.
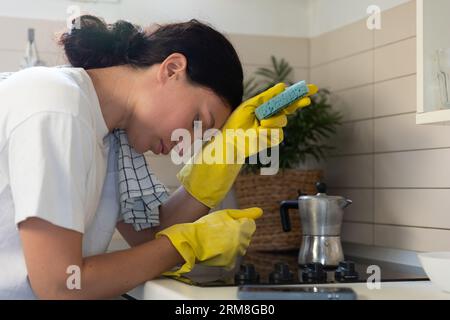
210 182
215 240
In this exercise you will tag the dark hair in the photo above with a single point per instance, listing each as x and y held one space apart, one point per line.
212 60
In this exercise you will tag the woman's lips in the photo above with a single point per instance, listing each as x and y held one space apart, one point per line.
158 149
164 149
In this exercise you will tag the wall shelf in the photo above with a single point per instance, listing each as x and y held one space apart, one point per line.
438 117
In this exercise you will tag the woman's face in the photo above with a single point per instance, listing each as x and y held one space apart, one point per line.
165 101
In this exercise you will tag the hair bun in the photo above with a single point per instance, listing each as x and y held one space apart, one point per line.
126 36
91 43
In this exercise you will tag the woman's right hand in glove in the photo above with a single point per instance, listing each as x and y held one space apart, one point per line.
216 239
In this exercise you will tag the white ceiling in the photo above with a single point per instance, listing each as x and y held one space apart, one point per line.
299 18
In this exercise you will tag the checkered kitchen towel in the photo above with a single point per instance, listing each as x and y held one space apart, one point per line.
140 192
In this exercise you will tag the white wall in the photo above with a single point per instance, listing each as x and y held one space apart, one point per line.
328 15
259 17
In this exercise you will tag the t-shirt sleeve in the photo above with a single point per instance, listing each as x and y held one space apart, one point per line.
50 155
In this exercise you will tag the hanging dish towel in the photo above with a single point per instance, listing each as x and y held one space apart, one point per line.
140 192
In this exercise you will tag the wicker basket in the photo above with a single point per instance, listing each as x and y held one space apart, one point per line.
266 192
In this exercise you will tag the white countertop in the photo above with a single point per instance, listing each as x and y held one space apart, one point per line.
168 289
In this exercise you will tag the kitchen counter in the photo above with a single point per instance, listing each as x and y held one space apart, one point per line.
168 289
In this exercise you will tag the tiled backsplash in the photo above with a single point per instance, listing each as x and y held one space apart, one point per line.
396 172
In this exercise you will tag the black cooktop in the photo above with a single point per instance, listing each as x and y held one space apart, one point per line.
281 268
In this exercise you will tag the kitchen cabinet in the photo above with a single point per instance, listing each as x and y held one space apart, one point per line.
433 62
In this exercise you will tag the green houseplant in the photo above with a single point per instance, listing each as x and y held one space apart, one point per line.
306 136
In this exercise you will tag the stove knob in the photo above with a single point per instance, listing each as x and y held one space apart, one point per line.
281 274
246 275
314 272
346 272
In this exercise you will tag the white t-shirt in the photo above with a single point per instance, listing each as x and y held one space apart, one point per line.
55 164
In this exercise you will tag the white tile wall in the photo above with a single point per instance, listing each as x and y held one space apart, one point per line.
298 73
361 233
350 171
360 134
413 207
395 60
346 41
345 73
415 169
397 23
354 104
396 171
362 208
255 49
410 238
400 132
395 96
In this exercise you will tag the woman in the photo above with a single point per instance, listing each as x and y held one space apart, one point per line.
56 219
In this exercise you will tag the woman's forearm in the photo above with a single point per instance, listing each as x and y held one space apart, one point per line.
57 269
181 208
110 275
